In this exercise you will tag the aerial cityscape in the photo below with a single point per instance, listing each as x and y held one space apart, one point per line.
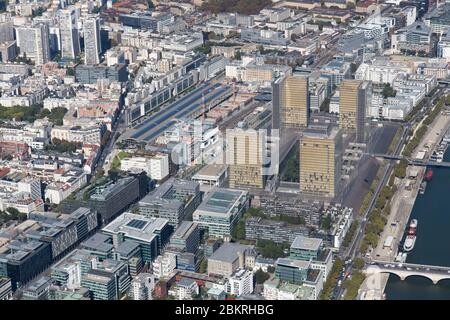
224 149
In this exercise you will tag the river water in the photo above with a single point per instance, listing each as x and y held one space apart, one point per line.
432 210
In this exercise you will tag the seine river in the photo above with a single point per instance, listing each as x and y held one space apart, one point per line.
432 210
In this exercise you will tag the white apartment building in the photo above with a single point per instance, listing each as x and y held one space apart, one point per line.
89 135
142 286
184 289
156 167
164 265
240 283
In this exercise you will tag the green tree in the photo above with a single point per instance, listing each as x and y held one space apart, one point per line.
238 232
270 249
261 276
358 263
388 91
203 266
326 222
70 71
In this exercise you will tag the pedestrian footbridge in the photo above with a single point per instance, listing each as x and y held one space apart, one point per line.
405 270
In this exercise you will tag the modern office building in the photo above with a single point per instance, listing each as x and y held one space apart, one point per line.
60 234
68 271
184 244
37 289
107 280
186 237
114 197
152 234
33 43
86 222
21 261
355 97
220 211
304 248
290 102
92 43
245 158
320 161
89 74
312 250
70 38
101 285
174 200
292 271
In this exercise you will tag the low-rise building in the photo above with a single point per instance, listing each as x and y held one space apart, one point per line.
220 211
184 289
230 257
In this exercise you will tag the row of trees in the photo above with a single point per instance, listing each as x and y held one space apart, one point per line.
350 234
292 168
353 284
431 115
332 280
394 141
63 146
369 194
378 217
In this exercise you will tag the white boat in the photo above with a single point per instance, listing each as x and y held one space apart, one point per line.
409 243
404 256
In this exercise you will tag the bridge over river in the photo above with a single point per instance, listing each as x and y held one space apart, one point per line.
405 270
411 161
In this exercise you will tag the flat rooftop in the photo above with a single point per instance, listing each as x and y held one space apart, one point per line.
221 200
136 226
184 230
300 264
98 242
305 243
210 171
228 252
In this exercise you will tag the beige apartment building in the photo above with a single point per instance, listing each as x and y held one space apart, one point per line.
353 102
290 102
320 161
245 158
296 105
